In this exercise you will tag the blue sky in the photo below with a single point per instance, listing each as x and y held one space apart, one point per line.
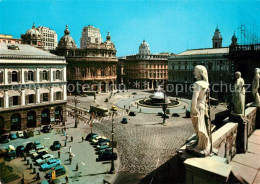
167 25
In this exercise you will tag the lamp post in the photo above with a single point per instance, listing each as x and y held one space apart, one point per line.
112 169
75 111
164 108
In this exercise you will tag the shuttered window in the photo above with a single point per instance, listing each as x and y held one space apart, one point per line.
30 76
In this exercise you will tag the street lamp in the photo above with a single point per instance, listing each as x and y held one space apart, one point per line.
75 111
112 169
164 108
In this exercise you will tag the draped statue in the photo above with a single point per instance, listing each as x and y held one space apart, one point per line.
239 95
199 113
255 86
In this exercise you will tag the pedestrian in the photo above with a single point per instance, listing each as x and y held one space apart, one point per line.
140 110
77 166
124 106
67 179
67 137
59 154
64 133
70 160
82 138
71 139
65 143
70 149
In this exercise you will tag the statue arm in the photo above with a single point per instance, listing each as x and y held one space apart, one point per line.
196 91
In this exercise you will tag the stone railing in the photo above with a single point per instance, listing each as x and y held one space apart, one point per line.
250 114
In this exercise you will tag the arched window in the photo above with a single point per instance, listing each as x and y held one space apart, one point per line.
1 76
58 74
30 75
44 75
14 76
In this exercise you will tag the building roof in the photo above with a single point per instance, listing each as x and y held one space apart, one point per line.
23 50
223 50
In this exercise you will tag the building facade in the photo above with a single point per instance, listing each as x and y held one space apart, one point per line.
9 39
121 70
93 67
41 37
90 35
219 68
32 87
146 70
49 38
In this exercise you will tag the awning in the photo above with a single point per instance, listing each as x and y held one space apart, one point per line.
57 89
44 90
29 92
13 93
1 95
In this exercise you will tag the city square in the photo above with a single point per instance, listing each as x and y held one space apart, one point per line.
129 92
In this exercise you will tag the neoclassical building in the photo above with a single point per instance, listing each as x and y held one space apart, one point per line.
219 67
93 67
146 70
32 87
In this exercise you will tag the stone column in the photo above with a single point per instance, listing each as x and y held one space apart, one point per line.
64 92
152 84
106 87
37 75
148 85
22 78
51 74
65 74
99 87
51 94
6 76
6 99
38 95
23 97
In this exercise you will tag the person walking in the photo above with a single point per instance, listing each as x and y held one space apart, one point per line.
70 149
70 158
77 166
59 154
71 139
65 143
82 138
67 136
67 179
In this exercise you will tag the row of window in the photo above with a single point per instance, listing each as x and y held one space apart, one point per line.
31 99
15 76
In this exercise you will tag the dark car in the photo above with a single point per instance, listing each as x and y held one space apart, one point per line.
20 151
89 136
56 145
4 138
124 121
46 129
29 146
134 93
160 114
106 156
175 115
59 170
104 150
40 154
132 113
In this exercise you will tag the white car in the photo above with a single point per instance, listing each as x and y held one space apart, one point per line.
35 154
44 159
20 134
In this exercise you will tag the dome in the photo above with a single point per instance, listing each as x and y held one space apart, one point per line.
217 34
32 33
144 48
67 41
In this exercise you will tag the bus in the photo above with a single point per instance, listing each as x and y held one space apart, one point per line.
99 110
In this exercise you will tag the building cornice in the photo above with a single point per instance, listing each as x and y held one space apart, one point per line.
32 57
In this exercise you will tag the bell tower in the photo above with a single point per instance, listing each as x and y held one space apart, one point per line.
217 39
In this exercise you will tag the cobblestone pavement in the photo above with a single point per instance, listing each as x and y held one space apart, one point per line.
144 143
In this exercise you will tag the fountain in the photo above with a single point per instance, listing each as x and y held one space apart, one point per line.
158 99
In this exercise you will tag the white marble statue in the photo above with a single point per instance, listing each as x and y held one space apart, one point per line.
239 95
255 86
199 113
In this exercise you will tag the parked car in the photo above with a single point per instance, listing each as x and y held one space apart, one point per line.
20 151
50 164
20 134
134 93
29 146
45 158
56 145
102 147
12 136
132 113
95 139
106 156
113 108
4 138
159 113
124 121
106 100
175 115
46 129
103 139
59 170
187 113
104 150
101 144
90 136
43 182
38 154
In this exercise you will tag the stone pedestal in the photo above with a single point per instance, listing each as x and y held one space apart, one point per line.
207 170
242 133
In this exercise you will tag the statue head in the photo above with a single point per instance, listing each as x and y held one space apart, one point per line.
238 74
257 70
200 73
